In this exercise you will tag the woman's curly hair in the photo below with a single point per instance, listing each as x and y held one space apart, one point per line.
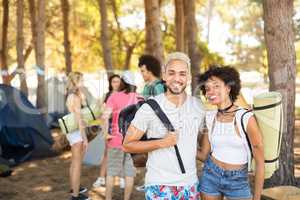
229 75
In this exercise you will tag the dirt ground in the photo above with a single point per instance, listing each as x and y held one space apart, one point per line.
47 179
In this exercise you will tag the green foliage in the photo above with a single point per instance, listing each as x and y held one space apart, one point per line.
208 57
259 2
246 39
84 34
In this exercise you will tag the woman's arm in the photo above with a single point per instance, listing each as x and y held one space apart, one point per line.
256 141
107 111
204 149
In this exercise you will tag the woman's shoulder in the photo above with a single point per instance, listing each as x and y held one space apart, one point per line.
73 99
244 112
119 96
73 96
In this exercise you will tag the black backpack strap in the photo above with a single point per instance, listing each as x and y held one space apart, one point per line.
165 120
245 131
88 106
64 123
91 111
267 106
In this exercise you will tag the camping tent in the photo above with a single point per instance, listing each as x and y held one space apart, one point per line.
23 130
4 166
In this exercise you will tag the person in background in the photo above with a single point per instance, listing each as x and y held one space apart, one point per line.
119 163
224 150
151 71
77 139
150 68
114 86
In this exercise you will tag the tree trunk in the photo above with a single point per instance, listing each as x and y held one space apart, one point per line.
105 40
154 45
32 11
20 46
120 32
209 15
65 11
28 52
40 55
191 37
179 23
279 39
3 56
129 52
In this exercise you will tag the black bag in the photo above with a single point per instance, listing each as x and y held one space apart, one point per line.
127 115
92 131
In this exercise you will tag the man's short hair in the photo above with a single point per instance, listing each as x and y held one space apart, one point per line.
151 63
178 56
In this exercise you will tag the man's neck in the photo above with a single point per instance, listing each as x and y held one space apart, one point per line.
178 99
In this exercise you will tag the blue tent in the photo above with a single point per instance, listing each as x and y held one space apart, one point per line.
23 130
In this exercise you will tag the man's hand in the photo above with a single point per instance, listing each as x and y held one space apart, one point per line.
170 139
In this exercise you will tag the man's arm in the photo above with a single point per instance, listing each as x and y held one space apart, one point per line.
204 149
133 144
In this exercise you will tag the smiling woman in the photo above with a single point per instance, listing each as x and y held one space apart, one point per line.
223 149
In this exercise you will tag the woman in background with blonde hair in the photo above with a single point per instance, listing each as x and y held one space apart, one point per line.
77 139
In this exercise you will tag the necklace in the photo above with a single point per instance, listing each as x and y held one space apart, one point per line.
222 111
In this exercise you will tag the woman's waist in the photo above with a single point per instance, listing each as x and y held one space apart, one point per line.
227 166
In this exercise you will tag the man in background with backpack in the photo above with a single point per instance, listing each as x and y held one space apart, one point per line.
151 71
166 176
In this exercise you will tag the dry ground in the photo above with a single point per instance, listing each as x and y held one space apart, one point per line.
48 179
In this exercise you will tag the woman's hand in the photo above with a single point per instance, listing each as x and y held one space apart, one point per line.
85 144
107 136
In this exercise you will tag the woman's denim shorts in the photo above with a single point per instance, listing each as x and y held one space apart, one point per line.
232 184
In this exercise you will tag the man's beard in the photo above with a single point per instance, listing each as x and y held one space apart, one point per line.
176 92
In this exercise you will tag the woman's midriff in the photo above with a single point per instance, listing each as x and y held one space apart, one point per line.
227 166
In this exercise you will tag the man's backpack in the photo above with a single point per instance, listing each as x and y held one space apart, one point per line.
127 115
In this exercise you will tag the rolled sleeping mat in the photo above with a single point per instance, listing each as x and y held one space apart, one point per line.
89 114
267 108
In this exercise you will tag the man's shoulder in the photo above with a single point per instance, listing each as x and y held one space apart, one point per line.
158 98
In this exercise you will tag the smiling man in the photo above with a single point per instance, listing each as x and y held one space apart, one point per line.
164 179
